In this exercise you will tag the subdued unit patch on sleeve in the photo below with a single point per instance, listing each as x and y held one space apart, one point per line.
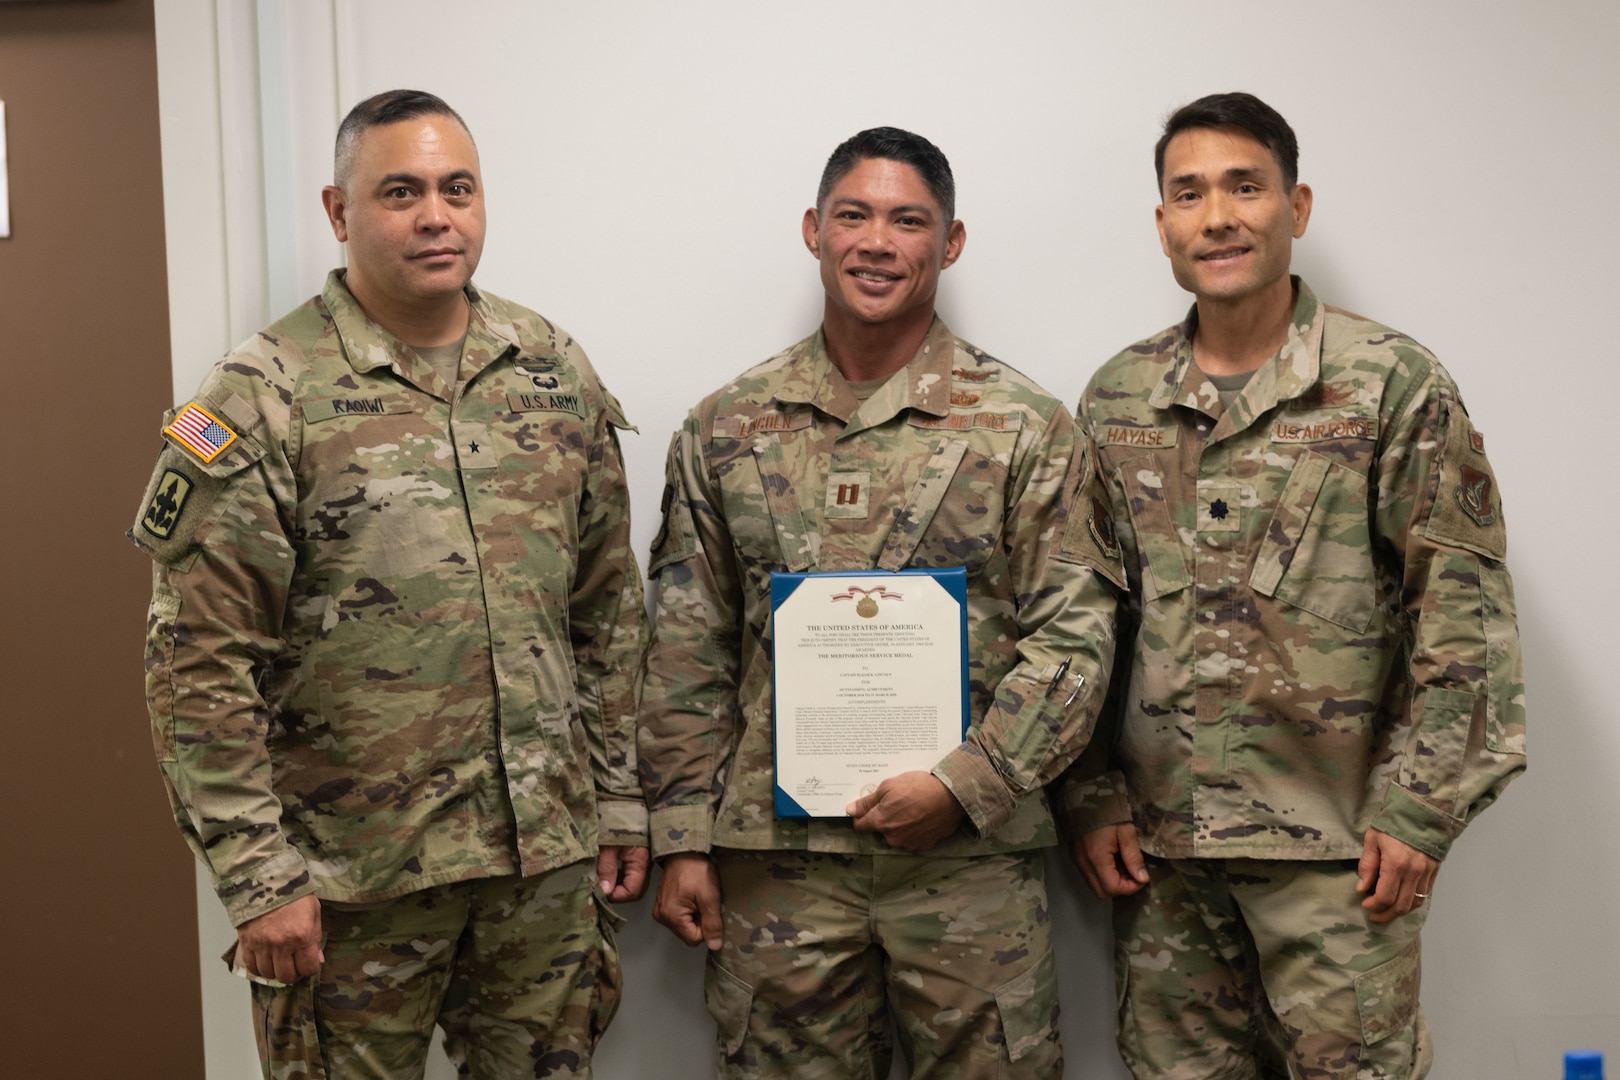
180 497
189 489
677 535
1467 510
1089 536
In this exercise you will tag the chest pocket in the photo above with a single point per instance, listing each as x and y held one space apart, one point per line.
954 513
1317 553
794 537
1163 556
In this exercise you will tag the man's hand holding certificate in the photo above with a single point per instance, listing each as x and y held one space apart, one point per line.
870 688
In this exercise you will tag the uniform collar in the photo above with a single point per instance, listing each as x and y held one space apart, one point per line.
924 384
368 346
1294 368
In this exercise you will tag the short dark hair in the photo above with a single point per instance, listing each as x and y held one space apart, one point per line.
388 107
892 144
1243 111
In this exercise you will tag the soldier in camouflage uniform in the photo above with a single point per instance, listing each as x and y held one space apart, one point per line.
394 643
885 442
1323 685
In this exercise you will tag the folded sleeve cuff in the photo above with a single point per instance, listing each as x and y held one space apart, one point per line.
675 829
621 822
978 787
1091 804
1412 821
276 882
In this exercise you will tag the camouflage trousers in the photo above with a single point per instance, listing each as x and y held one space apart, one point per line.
1244 968
521 973
828 957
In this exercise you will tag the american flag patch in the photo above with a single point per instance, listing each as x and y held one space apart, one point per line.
199 432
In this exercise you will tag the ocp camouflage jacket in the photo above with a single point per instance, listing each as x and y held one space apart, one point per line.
1322 626
958 460
395 627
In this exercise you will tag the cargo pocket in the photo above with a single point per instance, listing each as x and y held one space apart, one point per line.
609 986
1387 996
1029 1010
1432 766
729 1000
1317 551
1504 671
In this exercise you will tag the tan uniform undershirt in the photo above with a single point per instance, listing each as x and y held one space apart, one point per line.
445 359
866 389
1229 386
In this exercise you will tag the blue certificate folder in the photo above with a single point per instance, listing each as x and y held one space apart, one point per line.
952 579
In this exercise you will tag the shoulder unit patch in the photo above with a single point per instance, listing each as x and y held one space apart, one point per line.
173 489
1467 507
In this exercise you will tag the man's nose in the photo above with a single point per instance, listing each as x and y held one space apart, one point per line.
433 213
1217 212
877 237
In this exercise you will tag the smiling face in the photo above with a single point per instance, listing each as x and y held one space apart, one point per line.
1228 220
411 211
882 241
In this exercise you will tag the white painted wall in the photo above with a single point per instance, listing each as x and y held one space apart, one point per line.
646 167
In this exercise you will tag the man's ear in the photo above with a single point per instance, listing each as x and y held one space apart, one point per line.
337 210
1301 199
811 228
955 239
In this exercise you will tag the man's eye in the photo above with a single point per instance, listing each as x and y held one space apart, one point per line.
459 190
1247 189
398 193
1187 196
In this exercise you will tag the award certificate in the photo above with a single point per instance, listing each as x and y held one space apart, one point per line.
870 681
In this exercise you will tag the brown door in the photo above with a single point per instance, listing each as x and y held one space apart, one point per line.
99 975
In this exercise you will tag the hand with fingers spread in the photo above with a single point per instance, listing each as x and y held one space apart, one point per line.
1111 860
689 900
284 944
1396 877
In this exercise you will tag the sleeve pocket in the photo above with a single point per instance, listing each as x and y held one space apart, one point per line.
677 537
160 620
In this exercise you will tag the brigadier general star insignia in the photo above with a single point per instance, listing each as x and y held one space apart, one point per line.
199 431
